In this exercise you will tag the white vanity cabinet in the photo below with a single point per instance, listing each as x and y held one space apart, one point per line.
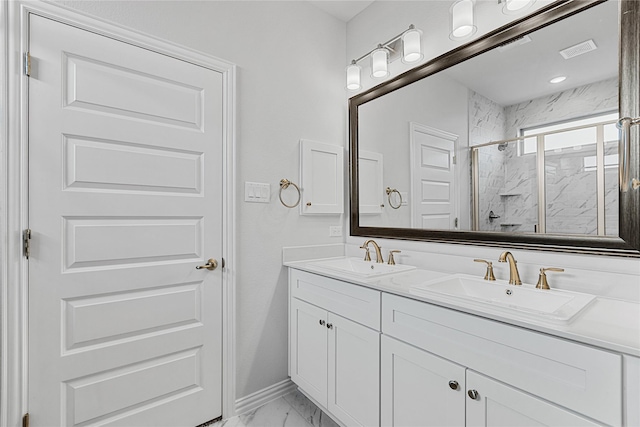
506 375
334 346
373 358
496 404
419 388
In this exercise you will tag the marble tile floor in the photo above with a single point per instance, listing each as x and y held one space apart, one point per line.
290 410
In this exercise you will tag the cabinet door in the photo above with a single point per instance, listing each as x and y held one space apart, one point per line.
322 178
499 405
416 390
308 348
370 170
354 372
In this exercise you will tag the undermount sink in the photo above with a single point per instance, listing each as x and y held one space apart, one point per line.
356 267
554 305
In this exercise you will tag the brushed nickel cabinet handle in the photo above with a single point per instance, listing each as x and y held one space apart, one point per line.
473 394
453 384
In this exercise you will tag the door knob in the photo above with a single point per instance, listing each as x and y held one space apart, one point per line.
211 264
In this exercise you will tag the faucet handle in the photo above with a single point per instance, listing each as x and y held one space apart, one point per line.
367 255
392 261
542 279
489 274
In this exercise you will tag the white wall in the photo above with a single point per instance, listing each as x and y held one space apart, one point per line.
290 58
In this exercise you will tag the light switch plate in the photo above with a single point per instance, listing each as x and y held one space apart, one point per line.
335 231
257 192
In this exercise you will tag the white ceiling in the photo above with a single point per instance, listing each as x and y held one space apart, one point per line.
343 10
523 72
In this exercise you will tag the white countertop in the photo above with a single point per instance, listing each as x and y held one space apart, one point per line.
606 323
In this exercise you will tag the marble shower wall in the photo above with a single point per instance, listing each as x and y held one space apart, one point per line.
487 123
594 98
508 181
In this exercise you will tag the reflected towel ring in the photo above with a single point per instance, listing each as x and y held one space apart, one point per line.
284 184
390 191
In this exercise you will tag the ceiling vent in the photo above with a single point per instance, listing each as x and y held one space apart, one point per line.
579 49
514 43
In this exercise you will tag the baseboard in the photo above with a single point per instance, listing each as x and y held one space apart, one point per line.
253 401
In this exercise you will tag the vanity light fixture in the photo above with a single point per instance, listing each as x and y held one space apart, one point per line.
385 53
462 20
511 7
353 76
558 79
412 45
380 62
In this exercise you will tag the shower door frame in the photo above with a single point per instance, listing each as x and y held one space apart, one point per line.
541 175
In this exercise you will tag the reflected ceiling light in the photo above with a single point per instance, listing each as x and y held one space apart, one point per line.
353 76
462 20
558 79
380 62
385 53
412 45
512 7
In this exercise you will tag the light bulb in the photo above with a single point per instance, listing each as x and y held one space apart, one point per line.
512 7
411 45
462 20
379 62
353 76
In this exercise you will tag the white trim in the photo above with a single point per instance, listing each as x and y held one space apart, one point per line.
14 196
255 400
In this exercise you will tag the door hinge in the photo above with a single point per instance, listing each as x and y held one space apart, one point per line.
27 64
455 160
455 223
25 420
26 242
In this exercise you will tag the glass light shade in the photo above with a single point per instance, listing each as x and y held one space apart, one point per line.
462 20
558 79
512 7
379 62
353 76
412 46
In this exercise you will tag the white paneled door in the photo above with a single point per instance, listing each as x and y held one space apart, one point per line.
433 183
125 200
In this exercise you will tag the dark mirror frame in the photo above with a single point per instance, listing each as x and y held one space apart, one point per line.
628 242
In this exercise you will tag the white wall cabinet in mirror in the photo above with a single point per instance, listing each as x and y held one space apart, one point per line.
321 178
370 177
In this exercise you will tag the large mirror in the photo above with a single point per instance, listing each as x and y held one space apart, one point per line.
509 139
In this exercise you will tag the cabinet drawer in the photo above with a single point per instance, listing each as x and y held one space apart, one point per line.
578 377
354 302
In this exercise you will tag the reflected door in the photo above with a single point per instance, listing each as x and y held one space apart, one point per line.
125 201
433 186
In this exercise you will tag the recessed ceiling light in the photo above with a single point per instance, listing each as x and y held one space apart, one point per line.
558 79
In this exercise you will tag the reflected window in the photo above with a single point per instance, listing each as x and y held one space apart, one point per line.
574 139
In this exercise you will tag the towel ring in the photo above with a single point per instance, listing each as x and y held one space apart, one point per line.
284 184
390 191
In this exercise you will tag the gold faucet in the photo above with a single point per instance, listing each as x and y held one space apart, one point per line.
365 246
514 277
542 279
